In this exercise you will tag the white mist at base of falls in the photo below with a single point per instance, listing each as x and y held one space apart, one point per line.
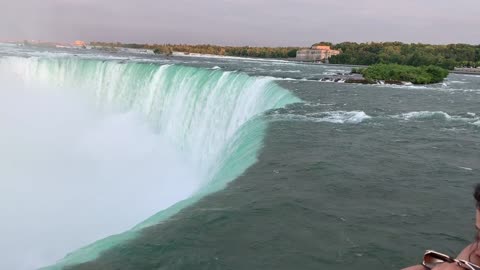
70 175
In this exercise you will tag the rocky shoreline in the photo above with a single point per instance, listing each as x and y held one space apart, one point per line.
358 79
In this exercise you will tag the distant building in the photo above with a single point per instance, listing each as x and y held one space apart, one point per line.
79 43
316 54
321 47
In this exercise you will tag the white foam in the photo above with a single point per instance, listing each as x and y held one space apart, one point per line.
421 115
336 117
318 104
329 73
280 79
344 117
432 87
337 70
469 75
8 44
439 115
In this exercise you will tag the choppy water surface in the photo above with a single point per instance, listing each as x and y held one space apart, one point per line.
352 176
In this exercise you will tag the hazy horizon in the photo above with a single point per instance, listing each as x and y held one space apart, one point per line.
237 23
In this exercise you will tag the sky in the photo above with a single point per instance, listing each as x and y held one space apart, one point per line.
242 22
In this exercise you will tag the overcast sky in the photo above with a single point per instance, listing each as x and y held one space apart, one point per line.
242 22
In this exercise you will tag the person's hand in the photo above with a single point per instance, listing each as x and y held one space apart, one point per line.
448 266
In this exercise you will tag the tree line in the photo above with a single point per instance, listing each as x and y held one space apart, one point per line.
244 51
396 72
446 56
415 54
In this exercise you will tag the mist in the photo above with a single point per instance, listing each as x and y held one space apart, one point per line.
71 174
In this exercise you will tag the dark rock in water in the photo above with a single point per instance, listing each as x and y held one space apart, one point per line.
337 80
361 81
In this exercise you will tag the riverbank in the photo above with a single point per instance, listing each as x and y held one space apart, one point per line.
471 71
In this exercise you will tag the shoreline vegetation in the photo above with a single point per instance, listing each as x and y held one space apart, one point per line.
415 54
244 51
395 74
389 62
352 53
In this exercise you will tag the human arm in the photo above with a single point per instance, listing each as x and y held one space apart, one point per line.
465 254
